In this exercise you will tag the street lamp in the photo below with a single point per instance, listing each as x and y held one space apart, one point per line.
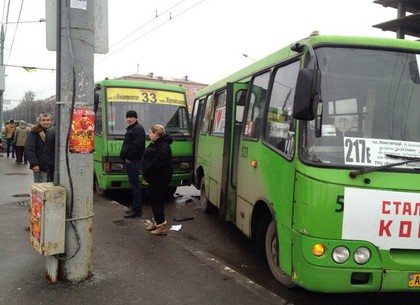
2 67
246 55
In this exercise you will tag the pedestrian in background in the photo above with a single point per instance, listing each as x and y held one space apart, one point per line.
157 172
131 153
21 134
9 131
35 148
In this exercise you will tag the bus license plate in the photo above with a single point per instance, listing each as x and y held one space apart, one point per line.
414 280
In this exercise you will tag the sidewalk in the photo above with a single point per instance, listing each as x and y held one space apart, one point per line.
130 266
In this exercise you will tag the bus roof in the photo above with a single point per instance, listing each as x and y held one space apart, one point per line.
315 40
134 84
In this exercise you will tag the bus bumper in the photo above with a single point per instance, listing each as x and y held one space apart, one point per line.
322 274
120 181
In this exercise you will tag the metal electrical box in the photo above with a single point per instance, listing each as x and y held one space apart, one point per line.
48 216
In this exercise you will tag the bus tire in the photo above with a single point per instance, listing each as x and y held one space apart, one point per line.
204 201
272 256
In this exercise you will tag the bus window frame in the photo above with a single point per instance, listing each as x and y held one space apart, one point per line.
245 136
265 124
99 131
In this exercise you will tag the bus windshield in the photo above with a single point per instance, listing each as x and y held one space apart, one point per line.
152 106
370 109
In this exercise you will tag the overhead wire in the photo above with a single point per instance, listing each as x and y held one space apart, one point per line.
171 17
14 36
148 22
151 30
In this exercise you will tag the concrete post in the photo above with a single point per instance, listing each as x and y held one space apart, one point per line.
75 170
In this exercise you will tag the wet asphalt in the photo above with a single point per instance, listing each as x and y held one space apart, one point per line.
130 266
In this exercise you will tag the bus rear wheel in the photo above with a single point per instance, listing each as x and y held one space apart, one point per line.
272 255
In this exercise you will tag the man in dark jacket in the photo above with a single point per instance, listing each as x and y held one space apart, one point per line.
36 147
131 153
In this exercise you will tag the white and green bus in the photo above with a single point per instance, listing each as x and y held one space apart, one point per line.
314 153
155 104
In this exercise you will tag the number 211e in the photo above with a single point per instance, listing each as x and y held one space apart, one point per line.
357 149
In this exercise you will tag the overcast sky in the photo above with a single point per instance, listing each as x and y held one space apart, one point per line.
204 39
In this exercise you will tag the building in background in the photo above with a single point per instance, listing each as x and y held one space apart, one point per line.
408 17
191 87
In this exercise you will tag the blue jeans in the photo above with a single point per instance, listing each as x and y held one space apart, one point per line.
10 147
133 172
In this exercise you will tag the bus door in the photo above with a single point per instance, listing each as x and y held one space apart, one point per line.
250 176
197 115
235 103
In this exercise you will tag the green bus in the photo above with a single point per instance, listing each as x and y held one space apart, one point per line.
313 152
155 103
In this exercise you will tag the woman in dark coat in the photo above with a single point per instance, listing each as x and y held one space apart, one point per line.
157 172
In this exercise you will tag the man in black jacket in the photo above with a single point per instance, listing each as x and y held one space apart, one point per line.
131 153
39 149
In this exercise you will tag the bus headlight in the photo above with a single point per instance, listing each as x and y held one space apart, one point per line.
340 254
117 166
361 255
184 165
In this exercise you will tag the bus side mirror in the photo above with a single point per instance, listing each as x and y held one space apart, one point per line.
307 95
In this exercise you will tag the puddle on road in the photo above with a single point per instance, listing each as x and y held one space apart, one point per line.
16 174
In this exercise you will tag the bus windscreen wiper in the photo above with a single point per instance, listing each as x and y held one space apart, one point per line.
354 174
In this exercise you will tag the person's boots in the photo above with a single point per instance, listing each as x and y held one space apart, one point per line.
151 225
160 229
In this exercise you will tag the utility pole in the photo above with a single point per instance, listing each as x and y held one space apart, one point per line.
2 76
75 52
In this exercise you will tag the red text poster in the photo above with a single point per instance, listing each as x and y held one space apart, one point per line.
35 220
82 131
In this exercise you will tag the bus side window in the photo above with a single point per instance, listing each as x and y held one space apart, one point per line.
280 127
240 105
219 114
256 106
206 116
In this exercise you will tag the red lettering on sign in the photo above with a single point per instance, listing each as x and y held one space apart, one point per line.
405 229
417 209
419 232
400 208
385 228
385 204
407 208
397 207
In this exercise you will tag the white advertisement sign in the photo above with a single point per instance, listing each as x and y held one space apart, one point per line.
386 219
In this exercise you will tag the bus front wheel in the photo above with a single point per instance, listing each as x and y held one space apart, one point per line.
272 255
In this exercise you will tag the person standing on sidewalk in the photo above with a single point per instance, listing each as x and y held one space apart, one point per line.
157 172
35 148
21 134
131 153
9 131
